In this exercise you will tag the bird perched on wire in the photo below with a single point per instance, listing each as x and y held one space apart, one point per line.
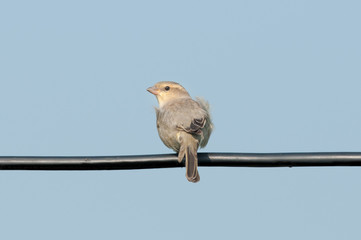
183 124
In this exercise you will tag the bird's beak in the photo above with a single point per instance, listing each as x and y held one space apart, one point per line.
153 90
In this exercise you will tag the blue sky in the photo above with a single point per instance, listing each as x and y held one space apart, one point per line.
281 76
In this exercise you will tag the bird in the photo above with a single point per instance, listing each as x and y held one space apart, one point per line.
183 124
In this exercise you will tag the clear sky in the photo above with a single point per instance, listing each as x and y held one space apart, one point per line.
281 76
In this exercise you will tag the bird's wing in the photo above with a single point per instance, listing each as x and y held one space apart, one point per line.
192 118
195 126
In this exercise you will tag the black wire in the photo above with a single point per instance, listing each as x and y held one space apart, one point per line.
170 161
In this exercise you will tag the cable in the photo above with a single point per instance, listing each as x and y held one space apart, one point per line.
170 161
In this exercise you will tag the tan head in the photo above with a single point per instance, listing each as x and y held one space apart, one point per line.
167 91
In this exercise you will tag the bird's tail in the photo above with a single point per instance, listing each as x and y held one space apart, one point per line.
188 149
192 164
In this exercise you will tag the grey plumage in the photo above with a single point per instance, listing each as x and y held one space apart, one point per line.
183 124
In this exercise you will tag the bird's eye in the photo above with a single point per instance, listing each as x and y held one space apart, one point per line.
167 88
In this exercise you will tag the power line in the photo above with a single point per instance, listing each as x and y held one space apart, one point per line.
315 159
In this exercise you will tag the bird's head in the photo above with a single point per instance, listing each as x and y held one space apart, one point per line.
167 91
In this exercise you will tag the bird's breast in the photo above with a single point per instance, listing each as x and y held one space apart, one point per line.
168 135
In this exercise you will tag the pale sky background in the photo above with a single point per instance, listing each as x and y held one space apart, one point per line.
281 76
